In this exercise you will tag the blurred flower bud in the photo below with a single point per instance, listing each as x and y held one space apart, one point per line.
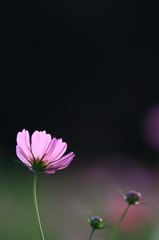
96 223
133 198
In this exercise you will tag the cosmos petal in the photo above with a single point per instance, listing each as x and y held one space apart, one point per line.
21 155
62 162
23 141
49 171
56 150
39 143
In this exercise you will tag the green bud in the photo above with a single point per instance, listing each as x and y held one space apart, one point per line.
96 223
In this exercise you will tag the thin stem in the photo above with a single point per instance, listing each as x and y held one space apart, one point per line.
91 234
36 206
118 225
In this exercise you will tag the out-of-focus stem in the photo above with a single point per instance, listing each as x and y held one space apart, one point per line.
118 225
91 234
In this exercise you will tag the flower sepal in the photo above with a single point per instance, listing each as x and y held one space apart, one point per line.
38 165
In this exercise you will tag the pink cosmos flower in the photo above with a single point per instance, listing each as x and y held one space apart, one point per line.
42 153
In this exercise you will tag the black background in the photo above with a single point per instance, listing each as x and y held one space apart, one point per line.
86 71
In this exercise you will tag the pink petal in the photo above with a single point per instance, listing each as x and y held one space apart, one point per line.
23 141
21 155
62 162
49 171
39 143
52 147
56 150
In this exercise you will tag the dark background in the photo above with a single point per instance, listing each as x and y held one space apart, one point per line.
86 71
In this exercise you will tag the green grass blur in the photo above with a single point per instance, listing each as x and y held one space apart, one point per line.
62 197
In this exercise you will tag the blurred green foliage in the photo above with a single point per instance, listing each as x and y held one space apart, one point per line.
61 197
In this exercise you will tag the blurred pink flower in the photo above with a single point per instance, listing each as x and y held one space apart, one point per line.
151 127
42 153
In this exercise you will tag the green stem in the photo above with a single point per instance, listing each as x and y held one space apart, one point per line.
120 221
36 206
91 234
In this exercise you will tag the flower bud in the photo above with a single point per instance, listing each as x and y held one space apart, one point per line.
96 223
133 197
